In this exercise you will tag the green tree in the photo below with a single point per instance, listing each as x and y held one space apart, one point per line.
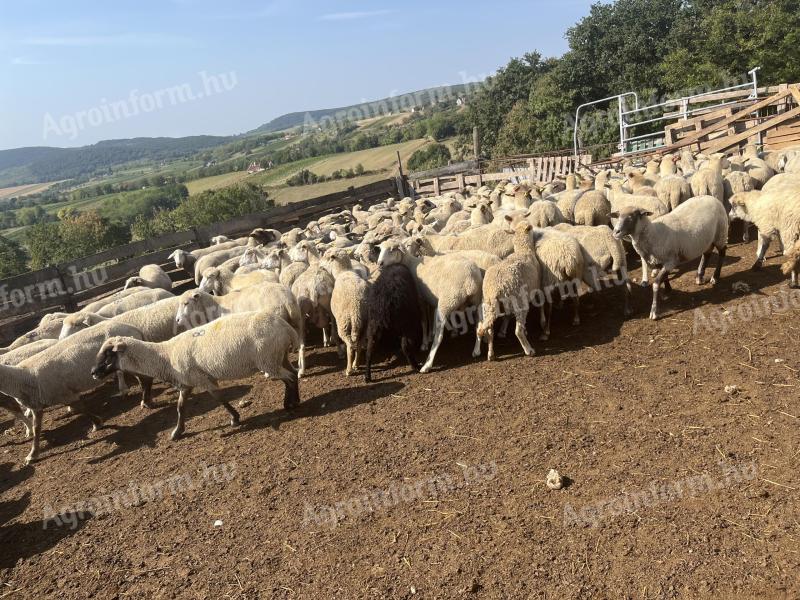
12 258
431 156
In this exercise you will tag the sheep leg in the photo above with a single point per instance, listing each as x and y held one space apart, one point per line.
349 369
123 387
368 361
645 272
183 394
438 333
147 391
763 245
545 321
793 283
504 327
576 304
746 232
79 408
13 407
226 405
519 330
701 269
407 347
36 425
656 287
720 259
621 276
489 335
291 394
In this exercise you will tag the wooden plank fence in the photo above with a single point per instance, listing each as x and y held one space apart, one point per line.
24 299
538 169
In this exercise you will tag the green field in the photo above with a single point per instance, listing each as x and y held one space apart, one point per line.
25 190
287 194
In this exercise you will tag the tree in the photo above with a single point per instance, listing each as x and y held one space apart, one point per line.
431 156
12 258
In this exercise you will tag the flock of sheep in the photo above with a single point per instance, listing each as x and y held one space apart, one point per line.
402 271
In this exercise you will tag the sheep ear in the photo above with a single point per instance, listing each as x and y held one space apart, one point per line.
526 215
508 218
614 215
644 213
119 345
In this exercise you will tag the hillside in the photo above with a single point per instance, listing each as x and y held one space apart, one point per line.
365 110
21 166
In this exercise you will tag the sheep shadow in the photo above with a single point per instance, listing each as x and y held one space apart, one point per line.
25 540
326 403
148 431
10 477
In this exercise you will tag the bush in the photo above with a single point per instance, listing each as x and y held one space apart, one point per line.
432 156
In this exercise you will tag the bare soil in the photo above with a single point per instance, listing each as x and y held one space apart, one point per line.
618 406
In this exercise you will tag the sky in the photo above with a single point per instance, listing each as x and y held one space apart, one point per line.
77 72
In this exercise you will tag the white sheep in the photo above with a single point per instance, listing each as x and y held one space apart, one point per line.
774 212
692 230
123 305
491 238
348 304
448 284
220 281
672 190
151 276
12 359
93 307
509 287
58 375
48 329
197 308
232 347
708 181
591 208
543 213
215 259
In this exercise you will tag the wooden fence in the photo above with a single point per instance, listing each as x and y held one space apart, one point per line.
539 169
24 299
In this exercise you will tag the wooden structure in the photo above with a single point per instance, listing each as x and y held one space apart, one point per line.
24 299
540 169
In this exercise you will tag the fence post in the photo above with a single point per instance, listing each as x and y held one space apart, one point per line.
476 144
436 188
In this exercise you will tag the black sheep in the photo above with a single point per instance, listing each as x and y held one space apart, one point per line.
393 309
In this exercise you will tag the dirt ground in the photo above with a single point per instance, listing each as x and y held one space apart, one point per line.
677 487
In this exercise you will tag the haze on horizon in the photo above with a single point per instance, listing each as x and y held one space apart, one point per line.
58 60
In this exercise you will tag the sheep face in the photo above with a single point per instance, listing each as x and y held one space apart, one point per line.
179 256
133 282
210 282
628 221
192 310
391 253
108 357
738 208
73 324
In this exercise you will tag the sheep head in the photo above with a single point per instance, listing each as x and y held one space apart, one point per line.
211 281
109 357
628 221
391 252
133 282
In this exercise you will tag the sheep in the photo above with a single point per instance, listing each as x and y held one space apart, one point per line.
606 252
215 259
196 308
137 300
11 359
564 265
151 276
289 270
692 230
184 260
233 347
48 329
667 166
708 179
58 375
591 208
513 282
393 310
543 213
313 289
734 183
671 190
489 238
348 304
93 307
642 185
219 239
448 284
619 199
219 280
756 167
773 212
783 180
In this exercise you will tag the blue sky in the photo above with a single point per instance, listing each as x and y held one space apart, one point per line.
59 59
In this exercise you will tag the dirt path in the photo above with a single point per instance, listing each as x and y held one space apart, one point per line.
678 488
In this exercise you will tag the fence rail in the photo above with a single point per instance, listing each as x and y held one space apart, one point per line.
24 299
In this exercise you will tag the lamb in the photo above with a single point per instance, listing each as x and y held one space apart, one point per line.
219 280
736 182
58 375
606 252
671 190
642 185
233 347
348 304
197 308
132 302
708 179
393 310
692 230
313 289
151 276
512 282
215 259
448 284
48 329
773 212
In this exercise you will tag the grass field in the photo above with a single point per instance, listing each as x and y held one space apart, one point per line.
25 190
374 159
215 182
285 194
